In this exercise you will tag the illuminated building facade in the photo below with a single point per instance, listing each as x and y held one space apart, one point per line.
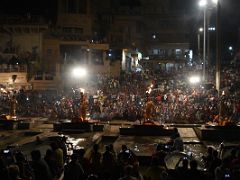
106 36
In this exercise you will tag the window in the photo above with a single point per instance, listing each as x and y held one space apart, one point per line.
67 30
97 57
49 52
155 51
38 76
82 7
178 51
48 76
79 30
72 6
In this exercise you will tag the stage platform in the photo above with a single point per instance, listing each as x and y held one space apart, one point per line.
146 130
77 127
218 133
18 124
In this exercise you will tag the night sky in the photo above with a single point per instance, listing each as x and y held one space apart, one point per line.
46 8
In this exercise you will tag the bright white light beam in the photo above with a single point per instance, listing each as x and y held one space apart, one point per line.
194 79
79 72
202 3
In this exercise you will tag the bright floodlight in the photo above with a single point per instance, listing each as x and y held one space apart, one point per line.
202 3
79 72
194 79
200 29
215 1
230 48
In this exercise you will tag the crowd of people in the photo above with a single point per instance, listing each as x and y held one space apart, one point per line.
104 163
175 100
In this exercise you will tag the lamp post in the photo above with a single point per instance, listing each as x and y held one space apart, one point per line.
218 49
205 4
204 45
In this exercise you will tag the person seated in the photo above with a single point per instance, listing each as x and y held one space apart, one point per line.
74 170
194 172
178 143
156 171
174 135
128 171
160 154
181 171
208 158
14 172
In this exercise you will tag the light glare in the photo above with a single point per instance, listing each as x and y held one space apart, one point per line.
215 1
194 79
79 72
202 3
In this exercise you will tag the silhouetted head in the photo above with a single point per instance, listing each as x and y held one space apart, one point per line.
111 147
210 150
124 147
13 171
95 147
81 152
36 155
19 157
107 148
74 157
215 153
193 164
185 163
128 169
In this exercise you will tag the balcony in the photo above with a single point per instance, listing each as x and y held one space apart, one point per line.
5 68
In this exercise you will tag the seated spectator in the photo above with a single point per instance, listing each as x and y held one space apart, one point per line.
156 171
3 169
208 158
136 172
214 163
40 167
24 167
74 170
112 151
108 163
83 161
95 160
125 157
223 171
58 156
160 155
181 172
128 171
14 172
50 160
193 172
174 135
178 143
